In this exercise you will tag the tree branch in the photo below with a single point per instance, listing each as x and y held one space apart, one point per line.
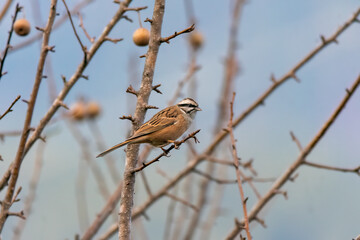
25 132
9 109
286 176
167 151
8 46
237 170
126 203
187 30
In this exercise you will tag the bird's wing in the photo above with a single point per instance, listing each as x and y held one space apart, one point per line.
159 121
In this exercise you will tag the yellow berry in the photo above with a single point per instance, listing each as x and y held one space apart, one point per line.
93 109
196 40
22 27
78 111
141 37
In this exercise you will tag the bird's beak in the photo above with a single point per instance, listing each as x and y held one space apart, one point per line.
198 109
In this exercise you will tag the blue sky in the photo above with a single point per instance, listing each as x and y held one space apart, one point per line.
273 37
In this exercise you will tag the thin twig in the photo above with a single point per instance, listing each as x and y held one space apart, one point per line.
237 170
286 176
10 108
81 24
211 178
187 30
167 151
137 9
322 166
83 48
8 46
220 136
316 165
186 203
15 170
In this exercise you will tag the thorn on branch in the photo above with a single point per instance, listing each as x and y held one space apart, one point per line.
155 88
187 30
40 29
292 179
150 107
142 56
129 117
145 216
262 222
113 40
127 18
117 1
348 91
248 165
323 40
50 48
284 193
131 90
63 78
293 75
148 20
14 199
272 78
17 214
25 101
42 138
62 104
86 77
31 129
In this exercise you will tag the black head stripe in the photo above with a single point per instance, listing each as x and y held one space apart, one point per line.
187 105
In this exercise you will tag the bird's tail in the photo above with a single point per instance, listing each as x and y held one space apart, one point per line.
112 149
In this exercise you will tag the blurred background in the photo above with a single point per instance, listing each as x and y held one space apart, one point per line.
272 37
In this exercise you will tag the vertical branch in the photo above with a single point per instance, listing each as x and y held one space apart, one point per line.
237 170
127 196
228 83
6 204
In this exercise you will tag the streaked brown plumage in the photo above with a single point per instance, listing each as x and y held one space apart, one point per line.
164 127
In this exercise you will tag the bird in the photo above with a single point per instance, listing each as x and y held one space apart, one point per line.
164 127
